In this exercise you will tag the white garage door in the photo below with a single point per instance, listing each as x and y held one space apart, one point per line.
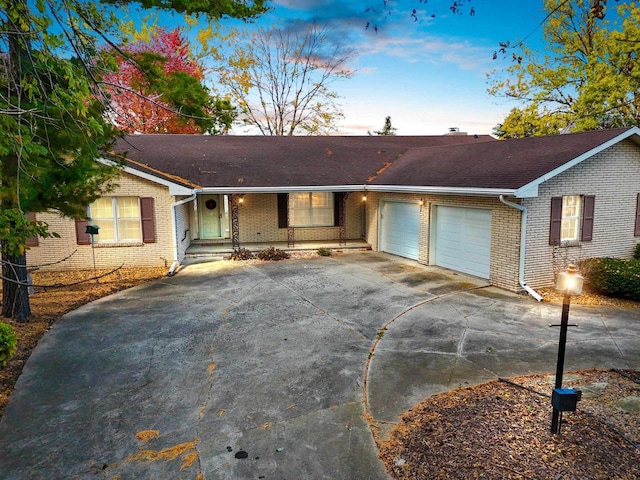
463 240
399 228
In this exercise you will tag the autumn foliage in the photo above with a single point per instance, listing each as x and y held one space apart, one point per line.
154 75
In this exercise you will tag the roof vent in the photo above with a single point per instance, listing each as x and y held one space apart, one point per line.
455 131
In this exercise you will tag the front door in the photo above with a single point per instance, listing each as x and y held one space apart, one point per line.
211 211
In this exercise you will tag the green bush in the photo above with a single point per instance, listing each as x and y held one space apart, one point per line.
241 254
636 252
615 277
8 343
272 253
324 252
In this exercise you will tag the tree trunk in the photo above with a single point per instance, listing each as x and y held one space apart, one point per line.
15 297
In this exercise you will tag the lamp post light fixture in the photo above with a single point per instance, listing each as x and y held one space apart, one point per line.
565 399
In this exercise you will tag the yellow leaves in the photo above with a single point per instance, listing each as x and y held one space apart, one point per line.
147 435
185 451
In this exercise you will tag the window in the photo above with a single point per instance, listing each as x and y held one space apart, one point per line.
570 228
118 219
571 219
311 209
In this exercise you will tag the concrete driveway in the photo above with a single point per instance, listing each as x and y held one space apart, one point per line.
230 371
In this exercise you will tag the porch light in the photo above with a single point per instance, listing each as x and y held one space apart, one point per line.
421 202
565 399
364 197
241 199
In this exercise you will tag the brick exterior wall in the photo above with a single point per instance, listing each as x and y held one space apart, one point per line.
258 221
505 230
156 254
613 176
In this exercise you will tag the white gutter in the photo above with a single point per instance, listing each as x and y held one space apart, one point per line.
441 190
358 188
174 222
523 239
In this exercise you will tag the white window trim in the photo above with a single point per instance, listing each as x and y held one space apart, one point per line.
566 218
115 219
310 209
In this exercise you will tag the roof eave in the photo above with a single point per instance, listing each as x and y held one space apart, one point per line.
469 191
174 188
531 189
283 189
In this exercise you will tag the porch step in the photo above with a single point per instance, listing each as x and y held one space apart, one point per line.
200 251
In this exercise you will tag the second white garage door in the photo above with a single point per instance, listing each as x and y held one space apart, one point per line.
463 239
399 228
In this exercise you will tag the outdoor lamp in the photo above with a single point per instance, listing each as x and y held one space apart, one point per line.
570 282
364 197
564 399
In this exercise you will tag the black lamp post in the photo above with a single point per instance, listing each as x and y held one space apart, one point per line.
565 399
93 230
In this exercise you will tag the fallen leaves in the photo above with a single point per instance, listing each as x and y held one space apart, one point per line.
498 430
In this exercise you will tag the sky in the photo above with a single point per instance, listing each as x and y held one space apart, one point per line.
428 72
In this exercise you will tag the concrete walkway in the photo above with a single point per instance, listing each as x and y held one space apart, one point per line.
230 371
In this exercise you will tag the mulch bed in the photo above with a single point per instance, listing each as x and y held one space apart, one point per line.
500 430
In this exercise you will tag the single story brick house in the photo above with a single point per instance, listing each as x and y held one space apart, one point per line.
514 212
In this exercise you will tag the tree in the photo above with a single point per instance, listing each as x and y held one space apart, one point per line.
281 79
52 117
138 102
590 79
387 129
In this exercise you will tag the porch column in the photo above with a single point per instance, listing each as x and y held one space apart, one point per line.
291 236
235 224
342 227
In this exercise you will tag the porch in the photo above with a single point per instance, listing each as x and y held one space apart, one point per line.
219 249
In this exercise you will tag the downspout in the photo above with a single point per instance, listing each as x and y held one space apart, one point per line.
176 262
523 239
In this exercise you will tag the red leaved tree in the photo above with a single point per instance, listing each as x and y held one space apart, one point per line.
155 74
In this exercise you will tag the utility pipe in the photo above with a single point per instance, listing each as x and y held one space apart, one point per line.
174 225
523 239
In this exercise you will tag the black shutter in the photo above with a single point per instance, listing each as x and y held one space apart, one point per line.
82 237
32 241
588 209
148 220
637 229
556 221
282 210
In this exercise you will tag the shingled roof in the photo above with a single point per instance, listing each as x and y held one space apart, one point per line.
507 164
254 162
445 162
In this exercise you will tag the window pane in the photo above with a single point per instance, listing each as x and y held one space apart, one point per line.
570 227
323 216
102 208
128 207
299 200
321 199
300 218
129 231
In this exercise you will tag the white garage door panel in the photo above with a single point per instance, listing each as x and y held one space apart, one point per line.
463 240
400 227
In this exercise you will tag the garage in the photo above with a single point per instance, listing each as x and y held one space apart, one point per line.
463 239
399 228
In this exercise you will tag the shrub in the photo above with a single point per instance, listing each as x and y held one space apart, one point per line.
324 252
241 254
615 277
8 343
272 253
636 252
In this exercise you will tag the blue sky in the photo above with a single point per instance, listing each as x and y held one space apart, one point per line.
428 75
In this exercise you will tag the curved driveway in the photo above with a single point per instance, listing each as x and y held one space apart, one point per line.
230 371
